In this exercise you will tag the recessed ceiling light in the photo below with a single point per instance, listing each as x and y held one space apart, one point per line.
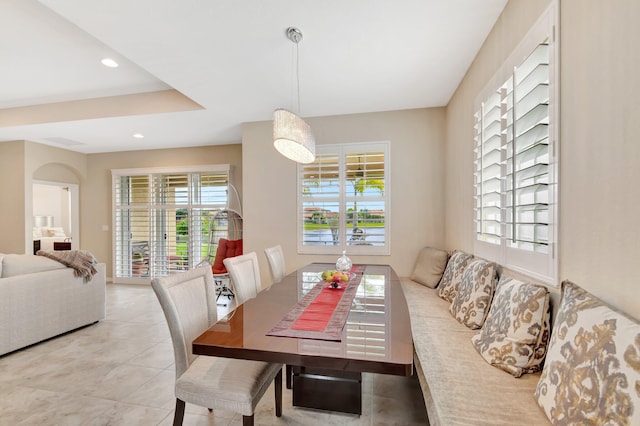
138 135
108 62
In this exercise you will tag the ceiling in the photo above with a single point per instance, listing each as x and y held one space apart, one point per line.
192 71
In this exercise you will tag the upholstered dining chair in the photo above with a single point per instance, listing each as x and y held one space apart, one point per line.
275 256
245 276
188 301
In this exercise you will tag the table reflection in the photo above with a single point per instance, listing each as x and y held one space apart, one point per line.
365 333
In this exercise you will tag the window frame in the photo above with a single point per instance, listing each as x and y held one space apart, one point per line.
341 150
540 266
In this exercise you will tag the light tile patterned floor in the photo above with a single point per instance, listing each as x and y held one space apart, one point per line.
120 372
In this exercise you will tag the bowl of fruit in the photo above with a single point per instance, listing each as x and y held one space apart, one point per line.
335 278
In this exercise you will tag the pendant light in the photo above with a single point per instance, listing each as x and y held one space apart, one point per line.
292 136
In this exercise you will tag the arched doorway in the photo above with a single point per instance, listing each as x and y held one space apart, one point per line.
56 213
55 203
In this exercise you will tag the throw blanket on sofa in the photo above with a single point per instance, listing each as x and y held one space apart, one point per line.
81 261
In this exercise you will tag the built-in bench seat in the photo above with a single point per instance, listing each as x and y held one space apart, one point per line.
484 368
459 386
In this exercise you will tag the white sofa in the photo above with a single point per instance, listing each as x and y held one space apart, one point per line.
41 298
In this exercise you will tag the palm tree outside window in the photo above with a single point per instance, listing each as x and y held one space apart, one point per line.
343 200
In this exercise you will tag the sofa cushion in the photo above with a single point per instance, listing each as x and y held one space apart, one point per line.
515 334
20 264
430 266
592 371
472 299
453 275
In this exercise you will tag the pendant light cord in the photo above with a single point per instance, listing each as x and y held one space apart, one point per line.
298 74
295 36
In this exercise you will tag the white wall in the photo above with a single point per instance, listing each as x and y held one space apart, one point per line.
599 241
417 182
52 200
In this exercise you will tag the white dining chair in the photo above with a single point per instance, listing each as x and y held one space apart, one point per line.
275 256
245 276
188 300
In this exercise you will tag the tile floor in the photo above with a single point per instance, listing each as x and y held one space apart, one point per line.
120 372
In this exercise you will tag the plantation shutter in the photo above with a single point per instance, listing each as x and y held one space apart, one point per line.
488 175
210 192
320 194
343 200
131 225
170 192
365 185
527 155
161 219
516 179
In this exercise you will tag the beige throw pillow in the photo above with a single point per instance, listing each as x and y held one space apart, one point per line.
453 275
515 334
592 371
472 300
430 266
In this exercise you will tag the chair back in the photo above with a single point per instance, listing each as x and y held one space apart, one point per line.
275 256
245 276
188 301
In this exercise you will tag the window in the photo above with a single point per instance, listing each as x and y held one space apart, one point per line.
343 200
515 161
161 218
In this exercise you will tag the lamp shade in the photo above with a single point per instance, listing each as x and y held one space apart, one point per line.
292 137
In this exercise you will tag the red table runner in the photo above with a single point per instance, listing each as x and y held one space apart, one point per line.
322 312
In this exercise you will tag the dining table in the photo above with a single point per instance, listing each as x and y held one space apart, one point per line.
326 347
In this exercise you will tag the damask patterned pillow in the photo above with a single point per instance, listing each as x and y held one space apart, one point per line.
472 300
592 371
453 275
515 334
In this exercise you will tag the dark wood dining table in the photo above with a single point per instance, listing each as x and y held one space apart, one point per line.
326 374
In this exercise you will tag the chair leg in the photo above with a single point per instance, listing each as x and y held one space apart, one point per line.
277 384
288 376
247 420
179 415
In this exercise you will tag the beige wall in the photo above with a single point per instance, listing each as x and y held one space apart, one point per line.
20 163
417 180
599 150
95 194
12 202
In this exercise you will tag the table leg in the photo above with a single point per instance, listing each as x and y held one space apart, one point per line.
326 389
